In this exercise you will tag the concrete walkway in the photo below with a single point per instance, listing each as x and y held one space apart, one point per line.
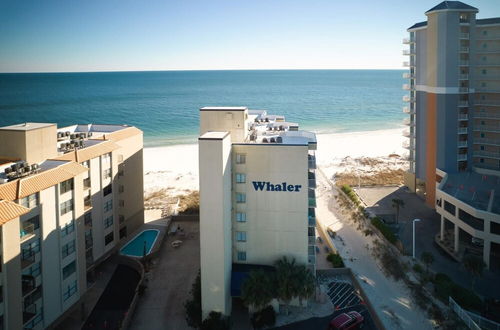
390 298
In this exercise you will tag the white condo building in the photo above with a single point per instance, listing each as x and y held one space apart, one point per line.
257 198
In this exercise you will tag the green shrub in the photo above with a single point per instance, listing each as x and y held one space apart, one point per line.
441 277
350 193
264 318
215 321
386 231
336 260
417 268
445 287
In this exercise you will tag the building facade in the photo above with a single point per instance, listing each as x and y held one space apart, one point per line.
68 197
454 125
257 197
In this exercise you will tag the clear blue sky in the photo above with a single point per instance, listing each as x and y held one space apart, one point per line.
111 35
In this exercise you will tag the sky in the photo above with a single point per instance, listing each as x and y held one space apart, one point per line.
130 35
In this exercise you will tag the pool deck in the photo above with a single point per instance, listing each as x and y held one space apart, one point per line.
160 224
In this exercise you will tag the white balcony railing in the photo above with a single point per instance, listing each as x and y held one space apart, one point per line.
463 103
494 142
408 87
463 63
487 115
408 75
408 52
487 128
463 116
463 89
408 133
464 35
488 102
464 49
408 110
407 41
408 122
462 144
463 76
407 98
486 154
462 130
408 145
461 157
406 63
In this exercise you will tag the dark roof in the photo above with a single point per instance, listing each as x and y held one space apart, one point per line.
494 20
452 5
417 25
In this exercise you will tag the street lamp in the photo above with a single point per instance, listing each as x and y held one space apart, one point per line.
414 220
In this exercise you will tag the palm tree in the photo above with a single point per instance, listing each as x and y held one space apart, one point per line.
397 203
475 266
308 283
287 284
427 258
257 289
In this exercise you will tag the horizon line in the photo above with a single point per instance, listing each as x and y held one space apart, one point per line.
192 70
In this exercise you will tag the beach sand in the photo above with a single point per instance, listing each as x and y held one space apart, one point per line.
175 168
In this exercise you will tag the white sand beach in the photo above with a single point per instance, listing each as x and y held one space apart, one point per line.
175 168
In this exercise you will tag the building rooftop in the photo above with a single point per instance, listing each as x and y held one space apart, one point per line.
223 108
478 190
213 136
452 5
483 21
26 126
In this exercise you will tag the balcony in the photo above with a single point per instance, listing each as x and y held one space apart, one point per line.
408 110
464 49
486 154
89 241
408 122
462 144
463 63
27 258
311 194
463 116
461 157
462 130
408 52
464 35
87 203
311 178
408 87
311 160
311 259
408 64
488 166
491 142
29 312
489 63
463 103
408 75
28 284
408 41
86 183
487 128
486 90
463 76
407 98
463 90
408 133
491 103
408 145
27 231
89 258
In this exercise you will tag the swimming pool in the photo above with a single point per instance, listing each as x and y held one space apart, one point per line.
142 243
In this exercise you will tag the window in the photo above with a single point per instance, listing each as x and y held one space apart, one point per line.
68 228
241 236
66 206
241 178
121 218
485 45
121 188
70 291
31 248
495 228
476 223
107 173
123 232
106 157
107 190
69 269
483 84
29 201
88 219
35 221
481 160
65 186
35 270
108 206
449 207
241 198
483 71
68 249
485 32
481 147
108 222
482 135
108 238
121 203
241 158
242 256
241 217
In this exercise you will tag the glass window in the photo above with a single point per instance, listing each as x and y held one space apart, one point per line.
107 173
106 157
241 198
70 291
123 232
241 217
68 249
241 178
241 158
66 186
88 218
449 207
107 190
69 269
35 270
29 201
68 228
108 222
108 238
242 256
35 221
241 236
108 206
66 206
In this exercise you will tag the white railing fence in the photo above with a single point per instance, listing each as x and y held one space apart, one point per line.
472 320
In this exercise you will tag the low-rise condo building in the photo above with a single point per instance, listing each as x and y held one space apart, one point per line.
454 125
68 197
257 198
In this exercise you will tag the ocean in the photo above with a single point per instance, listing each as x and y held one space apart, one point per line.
165 104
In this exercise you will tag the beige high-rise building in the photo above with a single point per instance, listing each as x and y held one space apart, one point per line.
68 197
257 198
454 125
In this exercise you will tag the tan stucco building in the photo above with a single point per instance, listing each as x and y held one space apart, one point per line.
257 197
68 197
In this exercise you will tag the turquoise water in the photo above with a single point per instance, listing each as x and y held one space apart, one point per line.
140 244
164 104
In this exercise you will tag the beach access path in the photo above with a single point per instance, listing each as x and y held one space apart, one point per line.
390 299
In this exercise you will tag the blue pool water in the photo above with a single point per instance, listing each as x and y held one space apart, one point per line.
142 244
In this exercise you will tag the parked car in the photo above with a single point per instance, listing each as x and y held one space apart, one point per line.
319 239
347 321
331 233
317 249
